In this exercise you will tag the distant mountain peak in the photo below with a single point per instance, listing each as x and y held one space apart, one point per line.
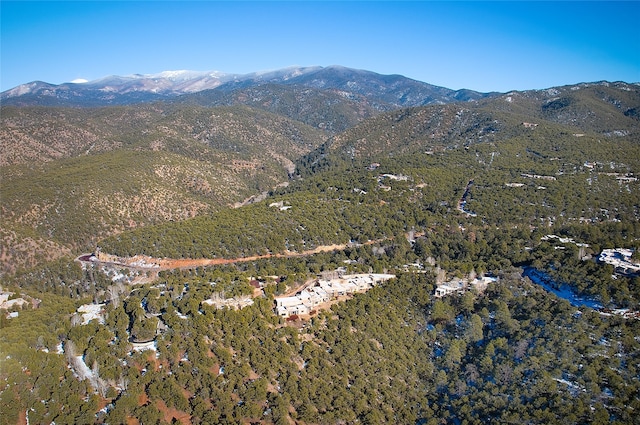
392 90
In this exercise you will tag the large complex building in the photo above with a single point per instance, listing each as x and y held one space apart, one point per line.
326 290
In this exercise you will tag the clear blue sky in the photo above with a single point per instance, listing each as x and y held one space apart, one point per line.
485 46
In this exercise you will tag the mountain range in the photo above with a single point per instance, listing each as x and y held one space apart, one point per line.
131 151
200 192
386 90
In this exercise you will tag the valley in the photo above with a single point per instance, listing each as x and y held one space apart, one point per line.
210 291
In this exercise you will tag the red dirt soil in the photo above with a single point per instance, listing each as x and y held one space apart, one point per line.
167 263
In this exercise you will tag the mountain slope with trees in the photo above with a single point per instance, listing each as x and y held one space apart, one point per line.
599 110
432 194
73 176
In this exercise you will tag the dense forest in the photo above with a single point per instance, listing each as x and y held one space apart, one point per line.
97 342
394 354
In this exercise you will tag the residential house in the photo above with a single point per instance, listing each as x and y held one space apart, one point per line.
459 286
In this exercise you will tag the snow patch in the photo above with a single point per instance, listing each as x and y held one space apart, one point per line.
540 278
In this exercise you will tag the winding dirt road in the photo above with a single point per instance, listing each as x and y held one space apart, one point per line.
190 262
140 262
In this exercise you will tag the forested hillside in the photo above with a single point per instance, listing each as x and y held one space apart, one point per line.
603 111
74 176
329 110
520 189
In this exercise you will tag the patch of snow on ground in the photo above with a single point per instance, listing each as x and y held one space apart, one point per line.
542 279
81 369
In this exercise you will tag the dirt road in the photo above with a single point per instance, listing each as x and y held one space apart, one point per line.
157 264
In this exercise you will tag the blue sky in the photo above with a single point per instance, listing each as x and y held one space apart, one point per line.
484 46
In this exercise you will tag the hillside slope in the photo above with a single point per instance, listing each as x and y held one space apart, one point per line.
330 110
38 134
600 110
117 168
512 189
76 175
608 108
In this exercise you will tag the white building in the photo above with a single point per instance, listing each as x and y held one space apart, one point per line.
620 258
449 288
461 285
325 290
90 312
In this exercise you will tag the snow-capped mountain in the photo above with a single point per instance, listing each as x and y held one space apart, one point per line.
116 90
167 82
